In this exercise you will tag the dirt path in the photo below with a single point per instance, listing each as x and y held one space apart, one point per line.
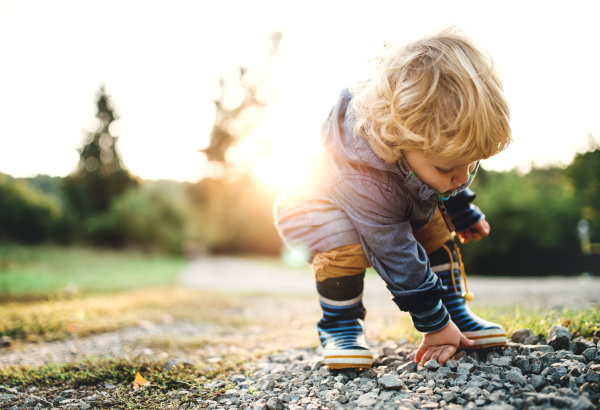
231 274
279 306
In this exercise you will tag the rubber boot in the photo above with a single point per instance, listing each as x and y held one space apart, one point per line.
341 330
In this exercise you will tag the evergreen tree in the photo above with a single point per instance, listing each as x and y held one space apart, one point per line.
101 175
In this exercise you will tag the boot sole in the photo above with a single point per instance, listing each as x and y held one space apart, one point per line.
348 359
487 338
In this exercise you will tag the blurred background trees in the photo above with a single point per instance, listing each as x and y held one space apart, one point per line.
533 215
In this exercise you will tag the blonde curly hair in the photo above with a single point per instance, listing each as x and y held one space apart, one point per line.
440 95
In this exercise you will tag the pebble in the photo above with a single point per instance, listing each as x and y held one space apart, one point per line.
532 377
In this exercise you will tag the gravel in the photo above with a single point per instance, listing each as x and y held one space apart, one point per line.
521 376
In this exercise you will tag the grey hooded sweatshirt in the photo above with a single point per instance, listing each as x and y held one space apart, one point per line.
353 196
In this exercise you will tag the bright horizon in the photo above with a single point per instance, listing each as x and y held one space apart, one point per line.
161 63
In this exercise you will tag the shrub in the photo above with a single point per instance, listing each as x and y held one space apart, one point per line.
143 218
26 215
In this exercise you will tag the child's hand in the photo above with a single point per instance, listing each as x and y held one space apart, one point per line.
475 233
441 345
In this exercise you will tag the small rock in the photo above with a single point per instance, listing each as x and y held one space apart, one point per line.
503 361
465 368
175 362
368 374
582 403
33 401
559 337
452 364
407 367
5 341
590 354
538 382
531 340
275 403
432 365
343 399
391 382
520 335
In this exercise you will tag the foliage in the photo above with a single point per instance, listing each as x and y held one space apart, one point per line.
40 271
143 218
584 173
532 218
101 175
26 215
235 217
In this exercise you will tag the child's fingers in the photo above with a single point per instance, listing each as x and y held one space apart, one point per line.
446 354
464 342
422 349
427 356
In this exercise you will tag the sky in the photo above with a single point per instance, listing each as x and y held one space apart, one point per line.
161 62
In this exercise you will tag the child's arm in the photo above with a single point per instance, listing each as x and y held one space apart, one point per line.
441 345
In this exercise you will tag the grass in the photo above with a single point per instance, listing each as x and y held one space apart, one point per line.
54 378
60 319
29 272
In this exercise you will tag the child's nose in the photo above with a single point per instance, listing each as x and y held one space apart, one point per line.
462 175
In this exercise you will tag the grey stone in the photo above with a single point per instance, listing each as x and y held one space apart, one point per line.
5 341
368 374
582 403
342 399
531 340
503 361
432 365
33 401
452 364
523 363
538 382
499 406
465 368
540 348
391 382
514 376
559 337
520 335
590 354
592 377
6 397
407 367
471 393
275 403
177 362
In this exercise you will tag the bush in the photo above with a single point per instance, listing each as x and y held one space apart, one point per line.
26 215
533 221
143 218
236 217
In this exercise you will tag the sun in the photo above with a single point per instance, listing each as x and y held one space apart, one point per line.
276 153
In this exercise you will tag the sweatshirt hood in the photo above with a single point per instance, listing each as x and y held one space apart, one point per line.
340 140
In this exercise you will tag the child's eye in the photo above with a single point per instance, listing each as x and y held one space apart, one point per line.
444 171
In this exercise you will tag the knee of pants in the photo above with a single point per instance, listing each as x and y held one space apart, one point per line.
340 272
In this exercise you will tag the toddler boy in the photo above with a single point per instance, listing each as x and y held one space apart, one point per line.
400 151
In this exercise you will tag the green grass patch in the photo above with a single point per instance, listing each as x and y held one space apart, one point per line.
581 322
60 319
52 379
38 271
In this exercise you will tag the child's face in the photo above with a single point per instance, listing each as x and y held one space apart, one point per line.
440 174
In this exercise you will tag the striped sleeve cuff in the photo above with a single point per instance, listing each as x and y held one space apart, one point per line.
432 320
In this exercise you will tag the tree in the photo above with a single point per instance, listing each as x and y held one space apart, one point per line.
101 174
584 173
238 107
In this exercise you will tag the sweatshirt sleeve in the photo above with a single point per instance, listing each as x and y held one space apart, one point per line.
463 213
388 242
